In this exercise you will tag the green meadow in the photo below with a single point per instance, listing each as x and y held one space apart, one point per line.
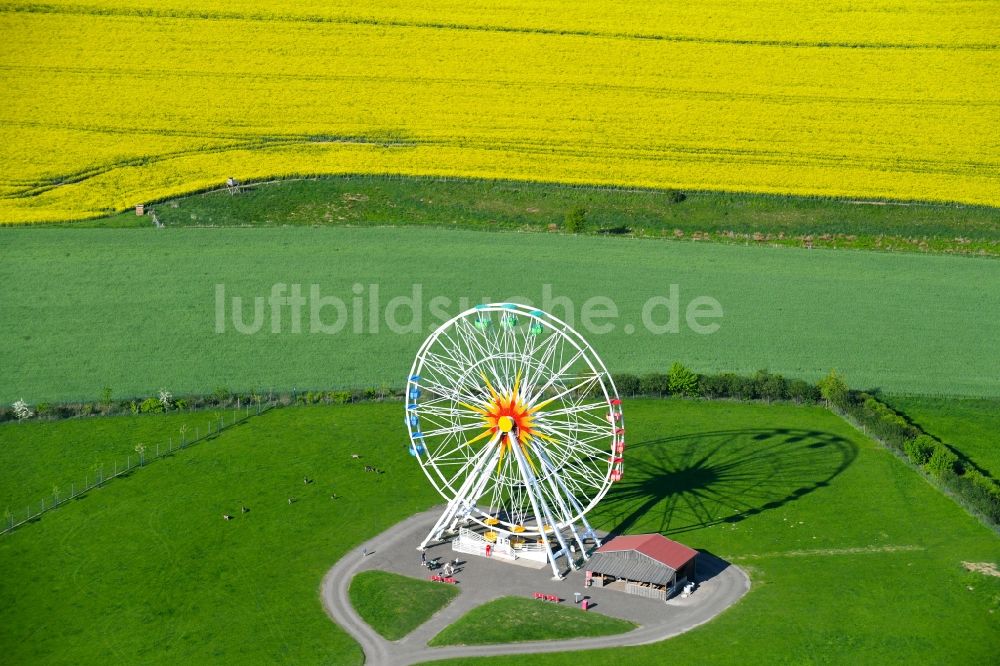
141 309
851 554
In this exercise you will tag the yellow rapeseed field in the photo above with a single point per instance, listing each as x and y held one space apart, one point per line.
109 104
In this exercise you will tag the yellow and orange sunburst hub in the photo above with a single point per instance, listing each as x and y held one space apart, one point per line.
507 413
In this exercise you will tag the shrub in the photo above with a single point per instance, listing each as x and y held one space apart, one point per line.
675 197
742 388
341 397
833 388
714 386
919 449
768 386
221 394
150 406
575 220
655 384
943 461
802 391
681 380
627 384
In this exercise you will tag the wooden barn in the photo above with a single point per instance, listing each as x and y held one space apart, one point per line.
649 565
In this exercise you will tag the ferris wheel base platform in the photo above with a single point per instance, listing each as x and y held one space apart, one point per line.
470 542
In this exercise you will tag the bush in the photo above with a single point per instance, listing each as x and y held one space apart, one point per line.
768 386
576 220
627 384
675 197
681 380
943 461
714 386
802 391
834 390
742 388
655 384
150 406
919 449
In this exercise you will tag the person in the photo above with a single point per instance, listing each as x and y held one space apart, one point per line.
489 550
423 558
364 551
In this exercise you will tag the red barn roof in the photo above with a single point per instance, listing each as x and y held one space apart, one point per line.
656 546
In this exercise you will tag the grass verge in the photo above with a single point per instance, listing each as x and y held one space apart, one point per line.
524 206
395 605
516 620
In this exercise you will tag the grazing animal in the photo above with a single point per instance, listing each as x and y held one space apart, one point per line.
226 516
244 509
355 455
291 499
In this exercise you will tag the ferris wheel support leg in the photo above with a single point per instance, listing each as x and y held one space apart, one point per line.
536 504
481 468
553 481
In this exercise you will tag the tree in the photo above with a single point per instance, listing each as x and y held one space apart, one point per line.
576 220
919 449
943 462
140 448
165 399
681 380
833 388
22 411
769 386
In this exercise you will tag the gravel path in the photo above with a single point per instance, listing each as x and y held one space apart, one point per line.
481 580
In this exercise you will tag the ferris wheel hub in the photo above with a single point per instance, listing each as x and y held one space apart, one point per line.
505 423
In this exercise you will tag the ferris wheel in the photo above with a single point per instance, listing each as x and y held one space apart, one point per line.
517 423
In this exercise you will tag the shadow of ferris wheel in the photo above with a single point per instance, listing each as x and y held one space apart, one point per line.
690 481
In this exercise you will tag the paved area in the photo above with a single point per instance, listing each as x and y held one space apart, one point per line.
481 580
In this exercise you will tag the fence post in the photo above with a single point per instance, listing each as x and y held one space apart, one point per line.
116 466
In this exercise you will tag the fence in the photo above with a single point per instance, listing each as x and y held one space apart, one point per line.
647 591
212 428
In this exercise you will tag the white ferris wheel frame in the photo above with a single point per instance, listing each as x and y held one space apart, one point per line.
578 447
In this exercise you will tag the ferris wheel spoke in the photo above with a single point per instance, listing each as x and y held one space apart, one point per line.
574 409
543 352
453 429
534 398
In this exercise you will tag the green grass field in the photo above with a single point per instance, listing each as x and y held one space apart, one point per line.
852 555
395 605
971 426
513 619
136 309
66 452
492 205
